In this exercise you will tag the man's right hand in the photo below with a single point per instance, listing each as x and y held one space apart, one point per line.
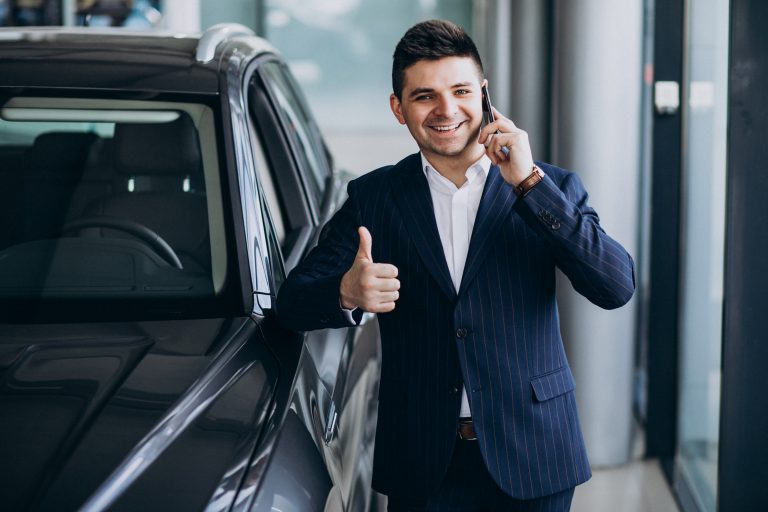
370 286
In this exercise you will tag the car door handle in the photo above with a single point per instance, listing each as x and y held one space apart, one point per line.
331 424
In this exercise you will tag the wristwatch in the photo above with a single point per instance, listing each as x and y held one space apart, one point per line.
531 181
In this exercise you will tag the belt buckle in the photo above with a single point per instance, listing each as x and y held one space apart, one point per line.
469 426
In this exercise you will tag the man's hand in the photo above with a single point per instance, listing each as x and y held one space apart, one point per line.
367 285
519 163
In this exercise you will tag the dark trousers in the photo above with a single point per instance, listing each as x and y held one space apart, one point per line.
468 487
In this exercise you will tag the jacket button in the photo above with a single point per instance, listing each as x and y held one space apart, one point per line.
461 333
454 390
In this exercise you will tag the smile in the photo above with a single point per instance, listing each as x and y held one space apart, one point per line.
447 128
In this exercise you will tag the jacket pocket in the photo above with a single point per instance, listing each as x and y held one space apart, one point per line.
552 384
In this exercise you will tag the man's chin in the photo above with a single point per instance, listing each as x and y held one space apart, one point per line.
448 151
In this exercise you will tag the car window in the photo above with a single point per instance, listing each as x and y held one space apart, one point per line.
267 183
276 268
279 173
110 199
300 126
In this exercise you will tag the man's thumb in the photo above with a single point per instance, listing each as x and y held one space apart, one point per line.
364 250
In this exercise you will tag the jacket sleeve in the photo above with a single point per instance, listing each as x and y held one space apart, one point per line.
598 267
309 297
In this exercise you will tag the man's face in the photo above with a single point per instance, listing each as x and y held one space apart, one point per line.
441 104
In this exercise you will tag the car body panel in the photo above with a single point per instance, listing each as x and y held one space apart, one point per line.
123 392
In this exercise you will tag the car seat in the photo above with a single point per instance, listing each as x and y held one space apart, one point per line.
160 186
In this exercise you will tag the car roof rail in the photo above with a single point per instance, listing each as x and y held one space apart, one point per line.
211 38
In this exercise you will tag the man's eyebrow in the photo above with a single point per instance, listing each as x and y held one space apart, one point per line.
420 90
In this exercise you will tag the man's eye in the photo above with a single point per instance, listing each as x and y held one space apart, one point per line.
423 97
462 91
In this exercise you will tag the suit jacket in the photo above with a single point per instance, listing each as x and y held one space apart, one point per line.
498 334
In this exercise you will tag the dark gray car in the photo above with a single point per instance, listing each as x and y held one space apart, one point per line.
154 190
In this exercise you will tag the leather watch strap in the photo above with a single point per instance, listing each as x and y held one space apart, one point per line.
531 181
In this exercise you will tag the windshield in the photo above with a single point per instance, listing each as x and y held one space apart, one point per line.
116 203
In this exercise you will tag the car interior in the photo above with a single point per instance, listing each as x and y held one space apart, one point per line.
107 201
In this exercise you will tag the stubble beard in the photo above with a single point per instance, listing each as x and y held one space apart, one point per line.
458 150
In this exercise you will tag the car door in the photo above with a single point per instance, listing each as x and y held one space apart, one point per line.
302 192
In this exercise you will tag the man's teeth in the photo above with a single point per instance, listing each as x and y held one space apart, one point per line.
446 128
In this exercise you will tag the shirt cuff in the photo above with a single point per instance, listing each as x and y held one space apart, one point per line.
348 314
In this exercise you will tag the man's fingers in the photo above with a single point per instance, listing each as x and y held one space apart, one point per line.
378 284
384 307
376 299
487 133
387 285
384 270
387 307
501 124
389 296
366 242
504 120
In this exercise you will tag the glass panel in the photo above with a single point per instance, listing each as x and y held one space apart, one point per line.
704 179
341 52
108 200
300 128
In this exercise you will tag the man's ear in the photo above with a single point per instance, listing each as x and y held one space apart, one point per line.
397 108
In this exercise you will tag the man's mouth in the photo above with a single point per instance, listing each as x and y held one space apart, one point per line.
446 128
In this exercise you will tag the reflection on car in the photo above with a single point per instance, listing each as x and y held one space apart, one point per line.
154 190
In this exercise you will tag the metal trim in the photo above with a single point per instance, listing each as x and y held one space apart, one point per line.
215 35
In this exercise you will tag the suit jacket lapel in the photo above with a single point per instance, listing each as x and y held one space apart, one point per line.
495 205
411 193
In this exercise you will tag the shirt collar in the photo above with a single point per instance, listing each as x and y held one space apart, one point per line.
480 168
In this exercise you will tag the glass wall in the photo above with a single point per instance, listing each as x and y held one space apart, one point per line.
703 198
341 52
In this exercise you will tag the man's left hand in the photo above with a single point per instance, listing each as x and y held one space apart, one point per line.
518 164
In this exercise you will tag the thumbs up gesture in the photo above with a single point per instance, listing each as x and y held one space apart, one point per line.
370 286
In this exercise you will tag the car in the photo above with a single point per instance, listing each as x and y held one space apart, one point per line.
154 191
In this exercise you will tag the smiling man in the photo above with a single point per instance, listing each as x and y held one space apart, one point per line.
455 248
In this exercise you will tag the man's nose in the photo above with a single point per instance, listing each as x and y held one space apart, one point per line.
446 106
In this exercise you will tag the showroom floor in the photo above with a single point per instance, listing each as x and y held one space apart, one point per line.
637 487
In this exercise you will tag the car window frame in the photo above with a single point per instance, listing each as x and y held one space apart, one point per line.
300 209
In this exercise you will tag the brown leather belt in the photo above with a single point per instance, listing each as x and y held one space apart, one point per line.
467 430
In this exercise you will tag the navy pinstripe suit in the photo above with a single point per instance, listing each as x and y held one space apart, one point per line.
498 335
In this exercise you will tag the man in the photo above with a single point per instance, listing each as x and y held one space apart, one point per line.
455 248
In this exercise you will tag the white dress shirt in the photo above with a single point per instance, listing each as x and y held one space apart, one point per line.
455 212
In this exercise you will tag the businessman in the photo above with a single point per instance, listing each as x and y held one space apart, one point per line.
455 247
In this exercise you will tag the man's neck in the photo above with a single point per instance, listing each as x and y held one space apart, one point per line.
453 168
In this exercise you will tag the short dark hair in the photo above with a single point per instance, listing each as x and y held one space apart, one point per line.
431 40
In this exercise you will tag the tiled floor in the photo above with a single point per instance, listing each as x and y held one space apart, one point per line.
636 487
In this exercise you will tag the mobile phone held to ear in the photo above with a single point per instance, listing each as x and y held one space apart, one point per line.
488 111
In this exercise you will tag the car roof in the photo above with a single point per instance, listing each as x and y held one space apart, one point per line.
117 58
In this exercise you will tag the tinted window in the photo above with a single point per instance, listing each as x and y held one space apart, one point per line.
302 131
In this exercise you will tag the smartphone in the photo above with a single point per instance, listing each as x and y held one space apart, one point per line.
488 112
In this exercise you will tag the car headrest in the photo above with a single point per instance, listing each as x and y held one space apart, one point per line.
158 148
64 151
